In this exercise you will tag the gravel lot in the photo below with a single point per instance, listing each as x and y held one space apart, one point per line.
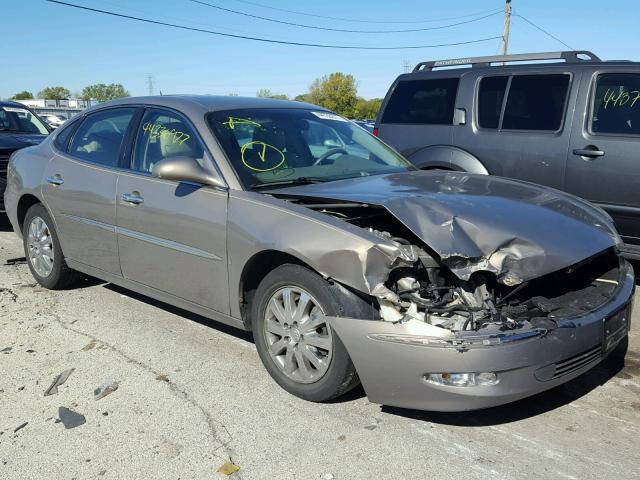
193 395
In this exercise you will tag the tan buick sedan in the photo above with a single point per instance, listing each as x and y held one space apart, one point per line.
437 290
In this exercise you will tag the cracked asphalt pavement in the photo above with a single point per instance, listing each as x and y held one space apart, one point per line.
193 395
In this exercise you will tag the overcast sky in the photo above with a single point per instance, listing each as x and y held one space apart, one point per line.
46 44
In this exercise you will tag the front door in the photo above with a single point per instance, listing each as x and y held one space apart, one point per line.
603 163
80 189
172 235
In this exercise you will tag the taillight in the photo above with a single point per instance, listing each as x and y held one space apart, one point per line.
375 132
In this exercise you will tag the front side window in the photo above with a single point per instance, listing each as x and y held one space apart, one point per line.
616 104
21 120
536 102
427 102
267 146
490 98
163 135
99 138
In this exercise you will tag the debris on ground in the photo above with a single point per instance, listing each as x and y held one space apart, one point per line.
327 476
6 350
14 296
20 427
162 377
88 346
16 261
59 380
70 419
228 468
105 389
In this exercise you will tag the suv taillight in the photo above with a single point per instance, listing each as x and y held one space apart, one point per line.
375 132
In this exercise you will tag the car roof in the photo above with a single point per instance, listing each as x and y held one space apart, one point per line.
12 104
198 104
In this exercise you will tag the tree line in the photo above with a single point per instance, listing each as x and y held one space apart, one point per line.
337 91
99 91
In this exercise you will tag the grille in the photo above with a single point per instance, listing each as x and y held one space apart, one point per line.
578 361
4 162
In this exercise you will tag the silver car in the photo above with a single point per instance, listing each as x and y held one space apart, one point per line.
437 290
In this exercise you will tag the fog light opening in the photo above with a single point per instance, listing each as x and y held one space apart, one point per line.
463 379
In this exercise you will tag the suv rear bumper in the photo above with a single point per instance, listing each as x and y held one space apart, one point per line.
393 372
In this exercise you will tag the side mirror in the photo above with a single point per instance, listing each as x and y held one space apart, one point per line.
185 169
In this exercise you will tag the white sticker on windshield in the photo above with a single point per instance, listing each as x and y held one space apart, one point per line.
13 109
329 116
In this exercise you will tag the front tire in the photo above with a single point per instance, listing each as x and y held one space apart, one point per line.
42 250
297 347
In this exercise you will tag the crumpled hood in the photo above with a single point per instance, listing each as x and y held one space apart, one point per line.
516 230
15 141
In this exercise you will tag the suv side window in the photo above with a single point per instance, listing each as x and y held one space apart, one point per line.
163 134
616 104
490 98
426 102
536 102
99 137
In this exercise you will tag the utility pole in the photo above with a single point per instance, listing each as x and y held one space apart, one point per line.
406 66
507 23
150 86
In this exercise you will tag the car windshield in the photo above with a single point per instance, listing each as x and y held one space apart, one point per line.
282 146
20 120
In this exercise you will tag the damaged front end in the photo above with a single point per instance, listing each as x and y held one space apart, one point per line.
441 306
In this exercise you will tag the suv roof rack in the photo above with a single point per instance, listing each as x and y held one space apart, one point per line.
570 56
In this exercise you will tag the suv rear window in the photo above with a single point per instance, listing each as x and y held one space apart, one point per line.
428 102
616 105
536 102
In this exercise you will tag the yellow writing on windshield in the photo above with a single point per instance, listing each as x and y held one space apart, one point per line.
262 150
154 130
622 98
233 121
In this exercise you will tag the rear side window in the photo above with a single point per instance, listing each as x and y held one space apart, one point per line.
616 104
99 137
63 136
428 102
490 98
536 102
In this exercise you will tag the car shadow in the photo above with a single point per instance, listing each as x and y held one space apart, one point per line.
615 365
5 225
194 317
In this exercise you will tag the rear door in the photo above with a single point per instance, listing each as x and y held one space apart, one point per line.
520 128
418 112
172 235
80 188
604 154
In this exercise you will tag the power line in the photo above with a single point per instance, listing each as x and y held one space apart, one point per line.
267 40
297 12
543 31
274 20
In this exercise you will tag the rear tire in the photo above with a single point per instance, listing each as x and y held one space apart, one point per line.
299 350
42 250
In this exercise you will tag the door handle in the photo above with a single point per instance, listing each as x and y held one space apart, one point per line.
590 151
133 198
55 180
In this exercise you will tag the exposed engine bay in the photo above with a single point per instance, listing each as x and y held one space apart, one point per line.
430 296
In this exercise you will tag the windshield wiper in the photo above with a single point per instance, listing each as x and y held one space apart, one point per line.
293 181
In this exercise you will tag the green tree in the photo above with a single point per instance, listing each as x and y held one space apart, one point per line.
304 97
266 93
54 93
367 109
337 92
103 92
23 95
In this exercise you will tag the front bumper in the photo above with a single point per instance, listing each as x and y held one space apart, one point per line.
393 373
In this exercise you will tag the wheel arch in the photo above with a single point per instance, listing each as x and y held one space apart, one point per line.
447 157
26 201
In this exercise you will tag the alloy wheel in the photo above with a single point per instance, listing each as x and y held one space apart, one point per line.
40 247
